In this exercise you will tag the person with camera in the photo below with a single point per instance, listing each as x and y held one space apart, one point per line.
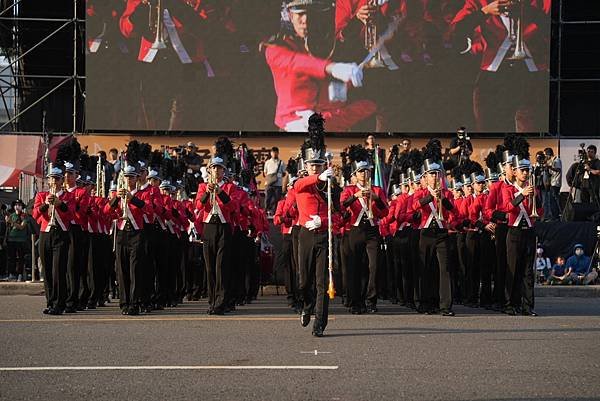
584 175
16 242
551 183
461 147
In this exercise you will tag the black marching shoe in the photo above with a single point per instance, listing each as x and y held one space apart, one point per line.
46 311
70 309
529 312
448 312
304 318
133 311
54 311
372 308
509 310
317 331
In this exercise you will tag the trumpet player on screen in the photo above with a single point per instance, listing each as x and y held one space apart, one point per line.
305 77
511 89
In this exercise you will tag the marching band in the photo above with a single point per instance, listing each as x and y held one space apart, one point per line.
448 232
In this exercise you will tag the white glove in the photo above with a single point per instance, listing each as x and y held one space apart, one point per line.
348 72
314 223
381 2
300 125
326 174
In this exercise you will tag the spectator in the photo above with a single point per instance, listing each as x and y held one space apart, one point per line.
584 175
579 263
193 161
273 172
560 274
542 265
552 180
17 242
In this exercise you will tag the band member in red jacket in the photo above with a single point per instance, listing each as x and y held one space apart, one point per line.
367 206
286 254
302 77
53 211
520 200
436 207
129 211
510 86
311 197
214 200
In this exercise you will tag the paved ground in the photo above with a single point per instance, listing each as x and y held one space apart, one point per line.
394 355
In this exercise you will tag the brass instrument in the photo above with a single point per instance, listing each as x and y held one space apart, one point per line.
100 179
212 179
532 201
122 184
52 210
516 31
370 198
371 40
439 201
158 24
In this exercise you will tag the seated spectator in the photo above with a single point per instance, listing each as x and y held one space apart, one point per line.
542 265
580 265
560 274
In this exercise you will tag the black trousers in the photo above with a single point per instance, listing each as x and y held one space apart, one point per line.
77 265
173 268
433 246
501 265
16 251
197 278
403 264
453 262
54 255
153 248
239 266
163 266
520 253
345 261
217 253
129 264
481 263
363 239
286 264
312 265
95 272
462 266
414 239
183 271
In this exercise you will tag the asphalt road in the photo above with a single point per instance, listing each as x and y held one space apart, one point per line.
394 355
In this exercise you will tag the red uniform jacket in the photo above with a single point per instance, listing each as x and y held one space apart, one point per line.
477 215
355 207
152 195
136 209
494 32
82 202
227 207
495 203
311 200
402 217
64 215
424 202
301 83
279 219
290 207
518 207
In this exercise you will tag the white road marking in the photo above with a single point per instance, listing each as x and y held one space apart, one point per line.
315 352
200 367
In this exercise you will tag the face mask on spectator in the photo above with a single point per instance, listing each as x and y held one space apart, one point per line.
579 252
540 251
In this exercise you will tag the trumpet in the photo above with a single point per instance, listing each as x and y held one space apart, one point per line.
212 179
370 197
439 201
122 184
52 210
371 40
516 31
100 179
532 202
157 24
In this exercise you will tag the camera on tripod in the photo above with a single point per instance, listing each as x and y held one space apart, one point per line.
582 153
463 138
